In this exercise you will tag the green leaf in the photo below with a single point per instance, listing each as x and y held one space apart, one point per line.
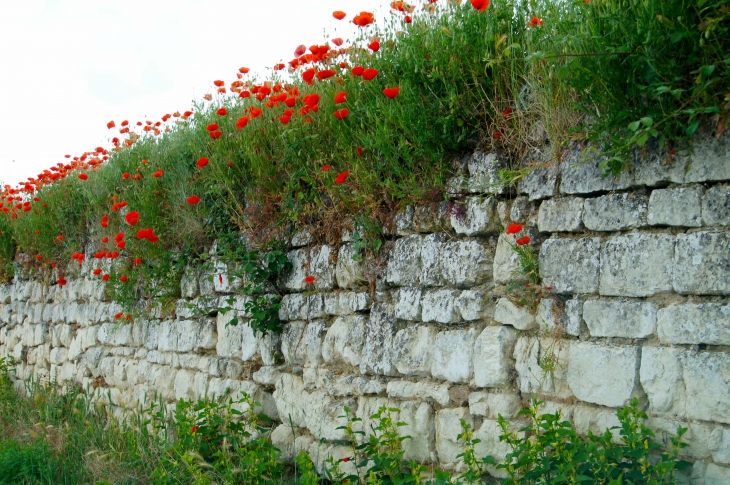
634 126
692 128
648 121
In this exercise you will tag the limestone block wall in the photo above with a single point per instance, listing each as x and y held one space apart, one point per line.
635 303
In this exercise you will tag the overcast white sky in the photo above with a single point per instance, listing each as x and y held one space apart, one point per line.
67 67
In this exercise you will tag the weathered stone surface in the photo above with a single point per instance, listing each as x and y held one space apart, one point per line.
317 262
569 316
603 375
404 262
580 173
301 342
719 444
493 364
506 261
716 475
448 428
615 212
676 207
706 378
620 318
570 265
230 337
438 306
707 323
493 405
344 340
484 173
466 263
453 352
404 221
474 305
637 265
661 378
413 349
508 313
431 267
716 206
561 215
424 390
349 272
540 182
419 417
476 217
379 332
702 264
653 166
490 444
407 304
708 157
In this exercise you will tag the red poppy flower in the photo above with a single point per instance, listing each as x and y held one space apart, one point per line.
104 221
340 97
309 280
339 14
326 168
113 254
300 50
97 271
192 200
342 114
391 92
132 219
255 112
202 162
221 111
158 174
535 22
105 240
83 176
359 152
137 261
124 279
219 83
369 74
118 315
212 127
243 70
215 134
110 125
374 46
60 238
240 124
341 177
498 135
39 258
345 459
480 5
514 228
363 19
311 100
338 41
284 119
407 19
357 70
61 281
194 429
325 73
105 277
523 240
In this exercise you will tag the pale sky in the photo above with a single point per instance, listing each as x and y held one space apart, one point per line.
67 67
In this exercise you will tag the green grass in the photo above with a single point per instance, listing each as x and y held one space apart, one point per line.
616 71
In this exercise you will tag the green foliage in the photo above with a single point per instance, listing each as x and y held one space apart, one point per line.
549 451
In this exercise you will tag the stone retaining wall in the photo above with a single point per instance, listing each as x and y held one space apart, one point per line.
635 303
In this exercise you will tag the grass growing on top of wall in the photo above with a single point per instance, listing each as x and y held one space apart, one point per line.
616 71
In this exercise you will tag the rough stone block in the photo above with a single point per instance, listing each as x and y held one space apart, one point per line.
580 173
424 390
344 340
301 342
453 355
653 166
508 313
506 261
719 444
476 217
707 323
407 304
431 271
570 265
467 263
708 159
540 182
561 215
349 272
317 262
716 475
615 212
702 264
404 262
493 364
230 337
474 305
379 332
604 375
637 265
448 428
438 306
412 350
676 207
568 316
115 334
484 173
419 419
404 222
716 206
707 382
620 318
661 378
